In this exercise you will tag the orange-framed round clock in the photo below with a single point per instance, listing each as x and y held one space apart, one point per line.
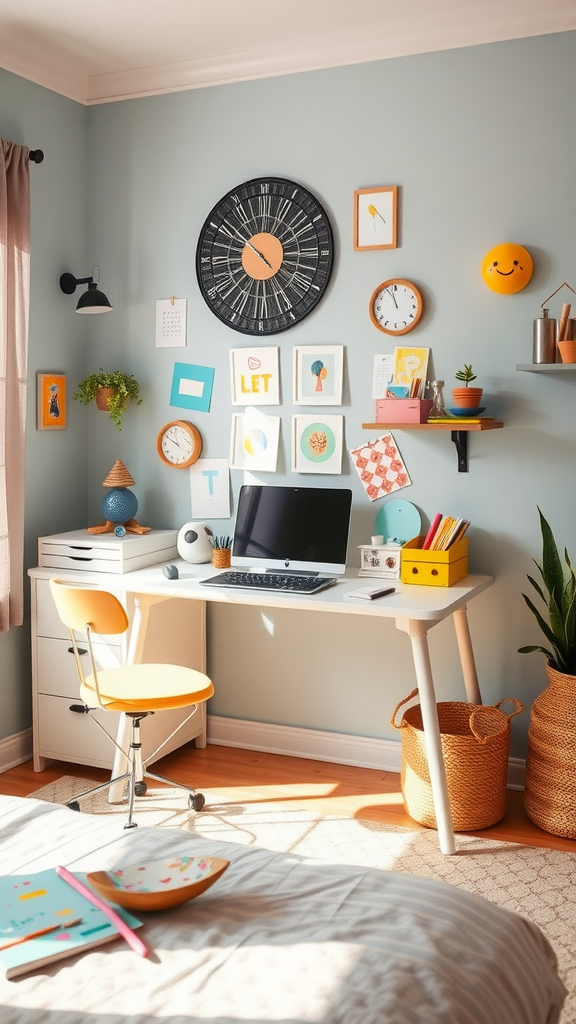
396 306
179 444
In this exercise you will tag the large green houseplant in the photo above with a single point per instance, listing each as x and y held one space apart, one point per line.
550 787
560 600
112 391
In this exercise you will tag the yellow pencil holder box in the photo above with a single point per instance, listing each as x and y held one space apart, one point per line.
433 568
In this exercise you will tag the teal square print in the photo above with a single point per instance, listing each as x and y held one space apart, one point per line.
192 386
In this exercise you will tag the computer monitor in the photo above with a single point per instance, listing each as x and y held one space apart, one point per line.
304 529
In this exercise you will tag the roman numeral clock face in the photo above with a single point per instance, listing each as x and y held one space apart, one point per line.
265 256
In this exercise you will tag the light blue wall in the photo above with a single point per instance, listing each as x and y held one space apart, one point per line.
482 144
56 472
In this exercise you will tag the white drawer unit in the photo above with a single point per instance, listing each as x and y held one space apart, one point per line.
175 636
82 551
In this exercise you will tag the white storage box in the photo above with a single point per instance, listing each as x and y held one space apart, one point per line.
380 560
104 552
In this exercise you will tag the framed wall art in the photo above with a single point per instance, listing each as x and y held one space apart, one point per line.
375 217
50 401
317 444
318 373
255 376
254 441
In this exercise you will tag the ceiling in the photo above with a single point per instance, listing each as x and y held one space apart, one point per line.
117 49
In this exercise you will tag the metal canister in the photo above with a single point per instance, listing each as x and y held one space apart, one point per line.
544 339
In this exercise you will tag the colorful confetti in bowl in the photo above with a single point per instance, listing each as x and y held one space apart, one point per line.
156 885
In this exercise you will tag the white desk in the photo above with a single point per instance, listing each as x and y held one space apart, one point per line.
414 609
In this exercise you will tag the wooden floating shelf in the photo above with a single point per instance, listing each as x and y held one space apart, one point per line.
483 425
459 432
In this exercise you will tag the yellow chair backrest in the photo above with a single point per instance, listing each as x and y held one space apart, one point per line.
79 606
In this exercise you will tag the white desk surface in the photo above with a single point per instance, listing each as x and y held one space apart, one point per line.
408 602
415 610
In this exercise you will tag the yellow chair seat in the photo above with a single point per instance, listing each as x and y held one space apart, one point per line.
148 687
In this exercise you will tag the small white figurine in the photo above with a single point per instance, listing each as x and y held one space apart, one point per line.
195 543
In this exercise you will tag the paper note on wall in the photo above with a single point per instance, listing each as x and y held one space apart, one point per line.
382 374
171 323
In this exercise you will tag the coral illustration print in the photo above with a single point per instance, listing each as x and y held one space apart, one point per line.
317 444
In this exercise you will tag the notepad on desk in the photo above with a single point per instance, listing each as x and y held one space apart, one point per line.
39 901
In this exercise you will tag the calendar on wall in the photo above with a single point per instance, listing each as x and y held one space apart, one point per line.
171 323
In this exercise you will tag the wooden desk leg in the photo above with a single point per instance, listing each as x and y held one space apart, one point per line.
417 631
467 656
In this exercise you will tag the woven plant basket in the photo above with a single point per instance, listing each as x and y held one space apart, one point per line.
475 744
221 558
103 396
550 788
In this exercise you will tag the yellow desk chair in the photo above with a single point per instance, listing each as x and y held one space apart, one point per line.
136 690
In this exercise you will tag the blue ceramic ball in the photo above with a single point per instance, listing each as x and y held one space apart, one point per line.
119 505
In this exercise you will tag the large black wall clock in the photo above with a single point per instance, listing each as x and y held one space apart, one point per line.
265 256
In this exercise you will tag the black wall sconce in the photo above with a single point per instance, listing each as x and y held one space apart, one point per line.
92 300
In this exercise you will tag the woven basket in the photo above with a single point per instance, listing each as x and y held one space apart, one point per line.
221 558
550 789
103 396
475 743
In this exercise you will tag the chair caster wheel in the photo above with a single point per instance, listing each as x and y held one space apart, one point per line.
73 805
196 802
140 788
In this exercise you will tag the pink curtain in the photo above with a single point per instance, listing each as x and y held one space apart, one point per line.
14 300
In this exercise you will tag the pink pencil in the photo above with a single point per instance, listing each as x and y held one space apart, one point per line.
126 932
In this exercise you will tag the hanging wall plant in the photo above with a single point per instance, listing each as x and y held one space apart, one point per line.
112 393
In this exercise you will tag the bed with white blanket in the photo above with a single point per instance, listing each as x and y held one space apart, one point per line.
278 940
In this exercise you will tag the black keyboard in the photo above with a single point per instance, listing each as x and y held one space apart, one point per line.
278 582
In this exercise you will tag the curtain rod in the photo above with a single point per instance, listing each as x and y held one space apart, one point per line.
36 156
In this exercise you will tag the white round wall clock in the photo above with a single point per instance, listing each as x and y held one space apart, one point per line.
396 306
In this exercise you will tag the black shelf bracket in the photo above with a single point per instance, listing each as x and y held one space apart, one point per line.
460 438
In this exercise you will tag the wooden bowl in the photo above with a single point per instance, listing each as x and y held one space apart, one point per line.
156 885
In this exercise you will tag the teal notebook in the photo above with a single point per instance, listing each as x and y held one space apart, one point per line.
34 902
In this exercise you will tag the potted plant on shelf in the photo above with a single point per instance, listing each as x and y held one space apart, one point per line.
466 397
111 391
550 788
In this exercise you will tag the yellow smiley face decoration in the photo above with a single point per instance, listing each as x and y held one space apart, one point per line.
507 268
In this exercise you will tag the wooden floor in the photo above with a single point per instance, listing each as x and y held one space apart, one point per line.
242 776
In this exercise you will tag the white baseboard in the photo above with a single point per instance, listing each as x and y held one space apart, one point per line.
15 750
338 748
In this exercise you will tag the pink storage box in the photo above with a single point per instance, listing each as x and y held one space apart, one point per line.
403 410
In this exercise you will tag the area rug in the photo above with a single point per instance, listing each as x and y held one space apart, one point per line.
535 882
